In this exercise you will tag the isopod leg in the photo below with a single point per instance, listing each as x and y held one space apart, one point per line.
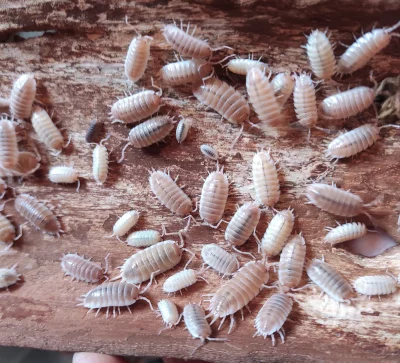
147 300
150 282
191 258
231 324
221 323
281 335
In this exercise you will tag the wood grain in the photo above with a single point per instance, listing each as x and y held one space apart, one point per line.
79 70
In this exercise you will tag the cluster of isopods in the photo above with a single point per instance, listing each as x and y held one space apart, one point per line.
267 98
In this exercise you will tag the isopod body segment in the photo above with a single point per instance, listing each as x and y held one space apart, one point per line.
8 277
82 269
283 85
144 238
329 281
214 196
375 285
220 260
137 57
169 313
277 233
345 232
272 316
305 102
187 71
8 145
22 96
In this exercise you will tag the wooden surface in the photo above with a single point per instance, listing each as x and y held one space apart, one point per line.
79 70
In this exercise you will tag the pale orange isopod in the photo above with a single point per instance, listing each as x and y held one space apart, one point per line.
22 96
137 57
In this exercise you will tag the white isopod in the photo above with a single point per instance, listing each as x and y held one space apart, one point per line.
143 238
376 285
209 152
219 259
169 314
345 232
283 85
320 54
243 65
305 101
22 96
182 280
65 175
8 145
364 49
182 129
100 163
186 71
277 233
125 223
137 57
265 179
8 277
214 196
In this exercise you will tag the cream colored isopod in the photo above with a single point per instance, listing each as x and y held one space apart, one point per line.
65 175
124 224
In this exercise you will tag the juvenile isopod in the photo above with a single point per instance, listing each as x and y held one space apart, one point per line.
182 280
320 54
277 233
169 194
137 57
169 314
125 223
94 131
224 99
79 268
347 103
22 96
209 152
283 85
8 145
243 65
144 238
185 71
8 277
214 196
272 316
262 97
37 214
65 175
7 230
47 132
182 129
291 262
376 285
364 49
148 133
100 163
345 232
334 200
220 260
265 179
243 224
329 281
115 295
238 291
305 102
136 107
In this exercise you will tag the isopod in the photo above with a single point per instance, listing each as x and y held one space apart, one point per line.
262 97
94 131
277 233
8 145
137 57
143 238
65 175
364 49
220 260
265 179
272 316
22 96
345 232
209 152
169 313
47 132
305 102
37 214
155 259
113 294
347 103
320 54
186 44
27 163
283 85
8 277
329 281
3 190
136 107
243 224
182 130
4 103
100 163
291 262
7 230
169 194
182 280
185 71
244 286
224 99
242 65
125 223
214 196
79 268
375 285
334 200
